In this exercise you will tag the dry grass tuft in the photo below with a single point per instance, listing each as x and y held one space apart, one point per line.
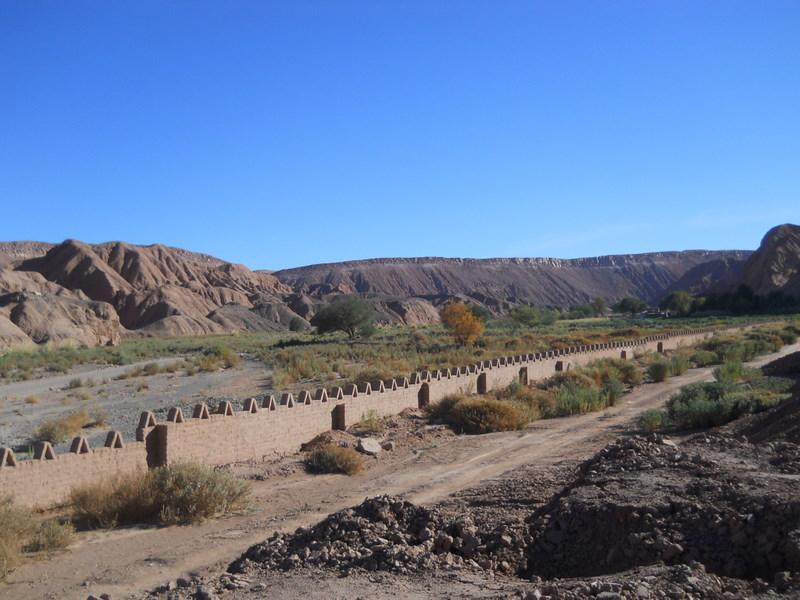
331 458
179 493
61 429
21 531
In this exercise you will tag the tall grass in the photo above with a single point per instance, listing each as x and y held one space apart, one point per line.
21 531
174 494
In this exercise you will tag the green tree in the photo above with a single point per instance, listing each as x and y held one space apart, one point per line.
347 313
297 324
481 312
530 316
630 305
598 306
679 303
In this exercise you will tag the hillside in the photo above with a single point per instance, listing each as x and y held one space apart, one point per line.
92 294
775 266
499 282
97 293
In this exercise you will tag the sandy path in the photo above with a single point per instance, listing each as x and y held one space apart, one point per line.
127 561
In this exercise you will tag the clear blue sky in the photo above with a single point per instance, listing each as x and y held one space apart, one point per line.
285 133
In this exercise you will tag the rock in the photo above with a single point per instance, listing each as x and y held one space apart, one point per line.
388 446
204 593
369 446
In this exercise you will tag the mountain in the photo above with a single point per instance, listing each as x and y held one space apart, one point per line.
501 282
775 266
97 293
49 293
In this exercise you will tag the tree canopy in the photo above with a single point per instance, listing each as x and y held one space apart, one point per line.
461 322
630 305
347 313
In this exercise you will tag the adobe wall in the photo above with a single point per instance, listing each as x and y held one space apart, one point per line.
279 425
47 479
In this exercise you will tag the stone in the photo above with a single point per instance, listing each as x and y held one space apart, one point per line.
388 446
369 446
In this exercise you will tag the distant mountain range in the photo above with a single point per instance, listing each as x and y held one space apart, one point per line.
96 293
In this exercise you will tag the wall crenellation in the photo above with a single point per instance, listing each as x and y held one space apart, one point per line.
279 425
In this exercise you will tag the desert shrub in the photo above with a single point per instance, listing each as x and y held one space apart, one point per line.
440 412
711 404
50 535
331 458
370 423
577 378
75 383
61 429
629 371
535 403
297 324
702 358
613 390
178 493
151 368
31 400
653 420
658 370
190 492
218 357
729 372
678 364
486 415
574 400
16 525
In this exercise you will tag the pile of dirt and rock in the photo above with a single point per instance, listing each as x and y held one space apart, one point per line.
387 533
642 501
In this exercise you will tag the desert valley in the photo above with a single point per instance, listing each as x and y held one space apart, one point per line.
355 300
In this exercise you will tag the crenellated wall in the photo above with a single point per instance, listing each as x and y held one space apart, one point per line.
279 425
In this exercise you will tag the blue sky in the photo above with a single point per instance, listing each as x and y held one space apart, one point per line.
278 134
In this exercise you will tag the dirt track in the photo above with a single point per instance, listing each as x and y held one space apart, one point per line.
127 561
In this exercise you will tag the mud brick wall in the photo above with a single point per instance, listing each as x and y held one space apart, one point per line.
47 479
279 425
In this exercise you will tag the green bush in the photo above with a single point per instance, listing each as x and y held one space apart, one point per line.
486 415
678 364
711 404
177 493
575 400
330 458
703 358
653 420
659 370
729 372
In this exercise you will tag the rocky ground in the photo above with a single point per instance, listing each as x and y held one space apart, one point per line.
25 405
713 515
487 502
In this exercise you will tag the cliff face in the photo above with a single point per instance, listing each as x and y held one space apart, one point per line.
775 266
543 281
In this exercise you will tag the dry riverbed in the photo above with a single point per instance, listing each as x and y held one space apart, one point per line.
496 477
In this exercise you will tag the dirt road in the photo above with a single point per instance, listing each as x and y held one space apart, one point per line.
127 561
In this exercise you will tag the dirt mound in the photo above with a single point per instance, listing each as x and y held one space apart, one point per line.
782 424
785 366
387 533
640 501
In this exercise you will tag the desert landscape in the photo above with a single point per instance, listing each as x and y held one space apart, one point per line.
385 300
